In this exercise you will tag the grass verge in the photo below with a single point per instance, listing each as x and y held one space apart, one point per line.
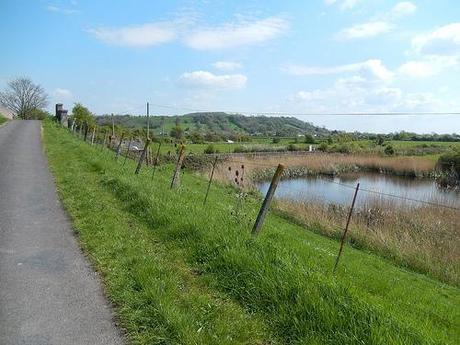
181 273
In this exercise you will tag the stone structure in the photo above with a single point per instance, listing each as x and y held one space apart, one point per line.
61 115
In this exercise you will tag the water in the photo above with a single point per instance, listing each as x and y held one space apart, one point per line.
321 189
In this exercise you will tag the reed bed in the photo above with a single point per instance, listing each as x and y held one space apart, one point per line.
259 168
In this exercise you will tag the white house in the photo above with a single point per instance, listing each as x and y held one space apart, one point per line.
6 112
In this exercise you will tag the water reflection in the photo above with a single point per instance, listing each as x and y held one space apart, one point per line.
321 189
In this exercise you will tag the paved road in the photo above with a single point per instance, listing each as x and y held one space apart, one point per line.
48 292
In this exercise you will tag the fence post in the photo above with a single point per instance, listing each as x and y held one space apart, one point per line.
210 180
268 198
119 146
346 228
155 162
176 176
85 132
93 135
103 143
127 151
142 157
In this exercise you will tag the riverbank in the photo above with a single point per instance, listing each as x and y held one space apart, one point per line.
178 272
425 239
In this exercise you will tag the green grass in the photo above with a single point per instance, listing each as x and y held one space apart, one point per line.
2 119
181 273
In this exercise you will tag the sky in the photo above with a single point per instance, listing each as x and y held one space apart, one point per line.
295 57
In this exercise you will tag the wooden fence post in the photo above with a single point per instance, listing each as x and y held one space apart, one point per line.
346 227
85 132
142 157
268 198
155 162
176 176
127 151
93 135
210 180
119 146
103 143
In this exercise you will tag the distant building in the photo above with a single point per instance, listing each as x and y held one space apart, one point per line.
6 112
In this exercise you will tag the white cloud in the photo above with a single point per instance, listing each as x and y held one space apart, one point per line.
227 65
359 95
136 36
62 93
236 34
208 79
365 30
444 40
61 10
378 25
343 4
403 8
417 69
428 66
373 68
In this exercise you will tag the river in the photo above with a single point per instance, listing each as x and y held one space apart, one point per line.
332 190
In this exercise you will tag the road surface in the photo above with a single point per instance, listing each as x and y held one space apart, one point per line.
49 294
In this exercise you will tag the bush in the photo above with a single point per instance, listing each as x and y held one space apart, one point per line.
37 114
275 140
309 139
323 147
292 147
389 150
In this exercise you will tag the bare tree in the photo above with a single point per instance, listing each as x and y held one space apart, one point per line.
23 96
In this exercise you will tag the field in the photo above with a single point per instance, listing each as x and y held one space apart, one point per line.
181 273
402 148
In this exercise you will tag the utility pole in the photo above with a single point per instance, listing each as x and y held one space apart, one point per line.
148 122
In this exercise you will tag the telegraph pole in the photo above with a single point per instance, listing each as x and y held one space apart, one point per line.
148 122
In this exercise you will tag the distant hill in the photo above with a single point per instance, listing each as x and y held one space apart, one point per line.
221 124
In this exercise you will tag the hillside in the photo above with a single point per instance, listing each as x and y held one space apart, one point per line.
222 124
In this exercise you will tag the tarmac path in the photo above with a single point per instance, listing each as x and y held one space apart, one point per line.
49 294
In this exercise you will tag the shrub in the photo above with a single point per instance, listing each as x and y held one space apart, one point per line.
323 147
292 147
389 150
309 139
275 140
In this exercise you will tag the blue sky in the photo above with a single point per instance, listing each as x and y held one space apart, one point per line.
322 56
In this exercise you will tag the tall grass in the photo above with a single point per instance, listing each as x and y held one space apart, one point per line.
325 163
425 239
274 289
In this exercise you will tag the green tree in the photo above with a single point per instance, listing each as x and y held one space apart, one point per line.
83 115
309 139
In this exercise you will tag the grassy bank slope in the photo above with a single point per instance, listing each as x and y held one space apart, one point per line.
2 119
181 273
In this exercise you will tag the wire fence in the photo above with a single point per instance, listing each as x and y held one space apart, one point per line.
373 219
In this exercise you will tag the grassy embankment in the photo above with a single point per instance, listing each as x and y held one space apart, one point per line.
2 119
181 273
